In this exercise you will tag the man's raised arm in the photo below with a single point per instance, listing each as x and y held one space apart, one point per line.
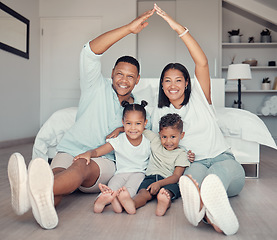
103 42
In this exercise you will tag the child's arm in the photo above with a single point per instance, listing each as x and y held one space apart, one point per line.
174 178
115 132
97 152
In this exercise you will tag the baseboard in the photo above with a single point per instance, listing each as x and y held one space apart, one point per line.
12 143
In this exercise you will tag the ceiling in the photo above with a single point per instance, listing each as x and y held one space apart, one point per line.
269 3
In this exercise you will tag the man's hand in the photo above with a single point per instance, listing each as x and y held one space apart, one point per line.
139 23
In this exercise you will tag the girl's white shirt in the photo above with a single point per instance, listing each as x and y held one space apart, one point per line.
130 158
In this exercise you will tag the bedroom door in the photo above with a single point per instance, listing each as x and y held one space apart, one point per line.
61 42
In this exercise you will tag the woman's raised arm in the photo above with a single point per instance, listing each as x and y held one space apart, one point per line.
197 54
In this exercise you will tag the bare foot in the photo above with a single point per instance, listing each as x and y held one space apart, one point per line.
126 201
164 202
216 228
103 187
104 198
116 204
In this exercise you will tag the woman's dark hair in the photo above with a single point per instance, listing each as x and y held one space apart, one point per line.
134 107
171 120
163 99
128 59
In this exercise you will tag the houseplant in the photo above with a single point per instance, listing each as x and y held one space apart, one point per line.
266 84
234 36
265 35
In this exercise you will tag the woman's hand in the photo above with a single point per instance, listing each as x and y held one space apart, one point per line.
85 155
191 156
172 23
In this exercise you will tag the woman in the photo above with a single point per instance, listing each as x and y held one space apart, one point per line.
215 168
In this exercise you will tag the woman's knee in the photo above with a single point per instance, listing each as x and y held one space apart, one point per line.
197 171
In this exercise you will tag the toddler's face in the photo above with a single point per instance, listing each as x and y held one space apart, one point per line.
170 138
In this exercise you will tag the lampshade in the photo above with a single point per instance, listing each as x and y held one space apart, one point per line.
239 71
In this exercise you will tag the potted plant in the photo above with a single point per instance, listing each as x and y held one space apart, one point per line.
265 35
266 84
234 36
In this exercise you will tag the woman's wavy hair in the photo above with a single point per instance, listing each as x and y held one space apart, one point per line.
163 99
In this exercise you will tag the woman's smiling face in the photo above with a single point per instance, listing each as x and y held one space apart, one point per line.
174 85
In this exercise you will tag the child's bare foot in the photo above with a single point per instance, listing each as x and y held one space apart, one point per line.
116 204
164 202
104 198
103 187
126 201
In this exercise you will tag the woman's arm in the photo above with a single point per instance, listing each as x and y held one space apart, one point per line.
197 54
100 44
97 152
174 178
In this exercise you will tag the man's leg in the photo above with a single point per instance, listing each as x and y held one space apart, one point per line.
69 175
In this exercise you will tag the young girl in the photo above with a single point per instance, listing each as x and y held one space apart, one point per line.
132 151
166 165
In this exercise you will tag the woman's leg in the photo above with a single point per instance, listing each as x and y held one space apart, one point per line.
230 172
198 171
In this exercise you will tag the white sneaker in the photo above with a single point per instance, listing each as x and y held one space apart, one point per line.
218 208
18 178
41 181
191 200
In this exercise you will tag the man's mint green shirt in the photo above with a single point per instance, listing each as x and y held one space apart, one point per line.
99 110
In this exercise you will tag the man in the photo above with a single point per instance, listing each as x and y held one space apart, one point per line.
99 113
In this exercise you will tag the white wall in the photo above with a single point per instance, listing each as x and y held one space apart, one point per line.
159 45
75 23
20 78
113 13
19 81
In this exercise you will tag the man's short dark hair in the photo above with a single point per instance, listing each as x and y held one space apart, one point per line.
128 59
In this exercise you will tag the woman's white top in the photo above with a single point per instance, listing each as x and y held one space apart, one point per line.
202 133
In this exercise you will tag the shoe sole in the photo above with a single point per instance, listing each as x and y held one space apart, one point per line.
41 181
218 208
191 200
18 177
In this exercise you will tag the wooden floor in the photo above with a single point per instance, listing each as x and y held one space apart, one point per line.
256 209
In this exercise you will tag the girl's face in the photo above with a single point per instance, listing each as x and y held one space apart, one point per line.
170 137
134 125
174 85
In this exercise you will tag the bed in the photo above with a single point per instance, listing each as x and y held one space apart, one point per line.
244 131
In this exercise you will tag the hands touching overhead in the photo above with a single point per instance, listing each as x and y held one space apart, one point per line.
140 22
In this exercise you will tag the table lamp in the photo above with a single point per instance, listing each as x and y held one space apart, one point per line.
239 72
